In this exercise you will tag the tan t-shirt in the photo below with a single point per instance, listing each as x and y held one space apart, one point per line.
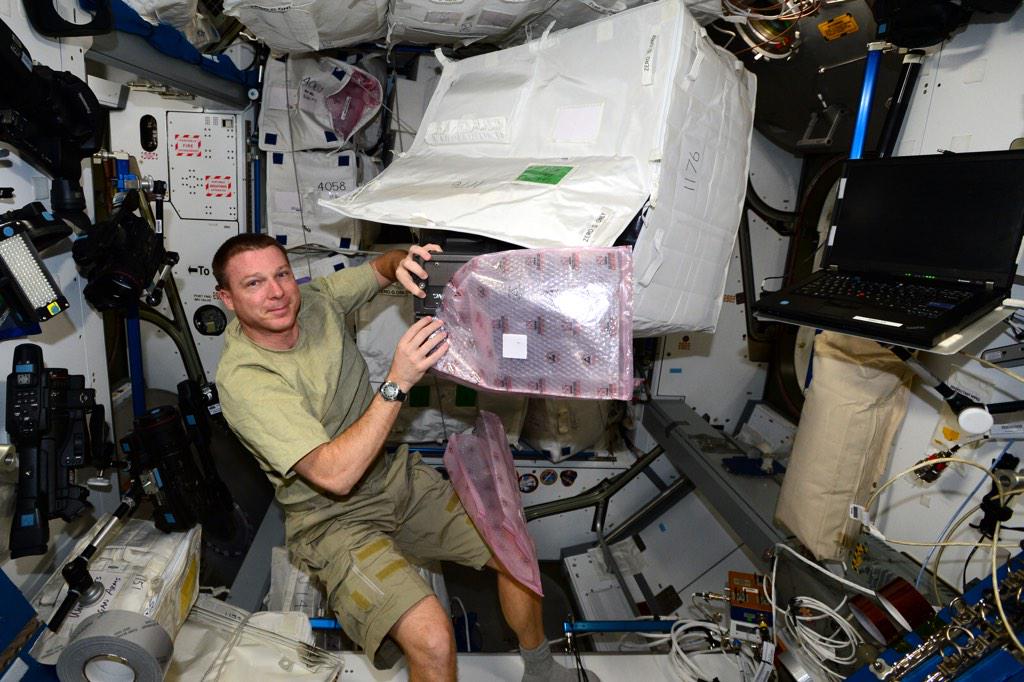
284 403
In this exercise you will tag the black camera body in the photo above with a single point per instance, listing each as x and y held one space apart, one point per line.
46 421
52 118
174 466
120 257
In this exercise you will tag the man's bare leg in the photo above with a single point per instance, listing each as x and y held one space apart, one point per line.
425 636
523 613
521 608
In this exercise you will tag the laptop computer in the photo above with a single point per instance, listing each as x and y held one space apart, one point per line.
919 247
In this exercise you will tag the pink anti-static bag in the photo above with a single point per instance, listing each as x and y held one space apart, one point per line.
555 322
481 470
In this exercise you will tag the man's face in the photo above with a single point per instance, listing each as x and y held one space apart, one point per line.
262 292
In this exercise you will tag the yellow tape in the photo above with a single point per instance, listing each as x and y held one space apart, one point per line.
374 547
361 601
395 565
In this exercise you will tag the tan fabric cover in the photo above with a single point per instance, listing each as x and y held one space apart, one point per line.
852 411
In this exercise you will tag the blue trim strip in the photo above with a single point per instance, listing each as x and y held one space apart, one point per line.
867 93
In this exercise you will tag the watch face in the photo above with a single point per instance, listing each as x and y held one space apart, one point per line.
389 390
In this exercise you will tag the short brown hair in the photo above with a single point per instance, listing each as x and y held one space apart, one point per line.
236 245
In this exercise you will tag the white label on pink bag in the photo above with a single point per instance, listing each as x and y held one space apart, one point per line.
513 346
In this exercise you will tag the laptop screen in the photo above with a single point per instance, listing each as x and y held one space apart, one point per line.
948 216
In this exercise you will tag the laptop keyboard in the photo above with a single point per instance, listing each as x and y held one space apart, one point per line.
913 299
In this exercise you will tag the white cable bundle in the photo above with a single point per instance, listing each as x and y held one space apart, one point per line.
823 650
682 660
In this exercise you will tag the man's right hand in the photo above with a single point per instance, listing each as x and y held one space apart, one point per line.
417 352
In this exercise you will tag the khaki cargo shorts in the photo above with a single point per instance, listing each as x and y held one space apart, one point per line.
366 557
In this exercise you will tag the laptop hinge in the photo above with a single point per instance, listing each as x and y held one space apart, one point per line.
990 286
833 268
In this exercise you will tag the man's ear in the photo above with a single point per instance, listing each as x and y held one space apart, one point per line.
225 297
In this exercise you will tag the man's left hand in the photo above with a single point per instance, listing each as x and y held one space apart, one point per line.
409 272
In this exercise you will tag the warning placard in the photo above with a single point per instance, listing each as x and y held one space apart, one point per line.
838 27
219 186
188 144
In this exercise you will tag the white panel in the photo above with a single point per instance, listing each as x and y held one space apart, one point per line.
202 151
683 546
195 240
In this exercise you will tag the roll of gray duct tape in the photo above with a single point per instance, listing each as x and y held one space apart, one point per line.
116 646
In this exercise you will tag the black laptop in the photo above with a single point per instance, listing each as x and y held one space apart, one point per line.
919 247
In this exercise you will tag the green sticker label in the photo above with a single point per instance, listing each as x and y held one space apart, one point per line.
546 175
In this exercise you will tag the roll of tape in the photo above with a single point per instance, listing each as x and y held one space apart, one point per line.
873 619
905 604
116 646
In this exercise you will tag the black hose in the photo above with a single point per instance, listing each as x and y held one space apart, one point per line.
781 221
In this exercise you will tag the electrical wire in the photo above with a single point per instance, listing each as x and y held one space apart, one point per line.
684 633
1002 495
921 465
967 563
952 520
822 569
821 649
947 532
465 621
788 10
938 557
824 650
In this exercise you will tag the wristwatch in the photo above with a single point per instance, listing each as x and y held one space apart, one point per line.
390 391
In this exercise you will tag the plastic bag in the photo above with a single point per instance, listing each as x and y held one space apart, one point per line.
553 322
481 470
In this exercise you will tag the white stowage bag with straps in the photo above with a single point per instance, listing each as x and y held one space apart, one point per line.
315 102
429 20
296 181
569 13
565 140
311 25
181 14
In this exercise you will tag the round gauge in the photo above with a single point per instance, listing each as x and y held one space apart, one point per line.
209 320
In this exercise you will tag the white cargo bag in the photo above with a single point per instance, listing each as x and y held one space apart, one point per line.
180 14
569 13
311 25
296 181
465 20
562 141
315 102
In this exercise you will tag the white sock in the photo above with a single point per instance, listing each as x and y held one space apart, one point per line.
540 666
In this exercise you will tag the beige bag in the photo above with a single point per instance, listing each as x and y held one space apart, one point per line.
852 411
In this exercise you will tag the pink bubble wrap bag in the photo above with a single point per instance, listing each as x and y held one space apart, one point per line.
555 322
481 470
